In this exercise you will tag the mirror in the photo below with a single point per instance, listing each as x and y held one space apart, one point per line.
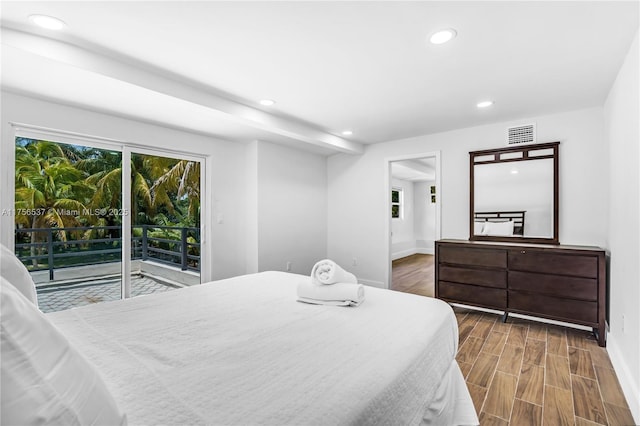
514 194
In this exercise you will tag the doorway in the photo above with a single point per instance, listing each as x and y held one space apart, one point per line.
413 221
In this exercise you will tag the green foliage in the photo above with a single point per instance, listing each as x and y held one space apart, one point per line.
61 185
47 185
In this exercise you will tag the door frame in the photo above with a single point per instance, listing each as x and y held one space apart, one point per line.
387 189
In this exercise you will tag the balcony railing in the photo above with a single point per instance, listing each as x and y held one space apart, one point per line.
56 248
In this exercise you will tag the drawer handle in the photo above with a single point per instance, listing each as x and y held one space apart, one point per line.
523 251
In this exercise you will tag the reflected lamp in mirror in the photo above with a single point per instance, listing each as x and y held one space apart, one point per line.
514 194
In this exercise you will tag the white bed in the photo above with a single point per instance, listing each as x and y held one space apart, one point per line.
244 351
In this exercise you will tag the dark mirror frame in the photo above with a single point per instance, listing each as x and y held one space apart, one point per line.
525 150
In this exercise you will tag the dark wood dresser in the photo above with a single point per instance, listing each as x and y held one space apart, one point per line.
563 283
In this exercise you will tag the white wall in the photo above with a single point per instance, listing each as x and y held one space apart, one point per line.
357 193
227 171
622 132
403 242
415 232
251 230
424 222
291 208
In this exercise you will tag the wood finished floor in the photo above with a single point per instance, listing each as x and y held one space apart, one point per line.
526 372
413 274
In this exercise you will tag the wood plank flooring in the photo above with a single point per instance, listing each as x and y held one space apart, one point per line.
526 372
413 274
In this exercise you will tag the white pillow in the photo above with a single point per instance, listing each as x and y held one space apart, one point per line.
503 229
478 227
12 270
44 379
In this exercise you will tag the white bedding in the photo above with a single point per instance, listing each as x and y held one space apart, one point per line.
243 351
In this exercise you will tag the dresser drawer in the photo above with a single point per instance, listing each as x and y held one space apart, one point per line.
556 307
475 295
473 256
553 263
555 285
486 277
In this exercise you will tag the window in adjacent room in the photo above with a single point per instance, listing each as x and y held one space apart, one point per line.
396 203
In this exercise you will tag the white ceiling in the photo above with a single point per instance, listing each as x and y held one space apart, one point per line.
416 170
331 66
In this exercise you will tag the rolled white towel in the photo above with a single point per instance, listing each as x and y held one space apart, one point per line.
338 294
329 272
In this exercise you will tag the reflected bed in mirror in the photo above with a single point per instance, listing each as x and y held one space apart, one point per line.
503 223
514 194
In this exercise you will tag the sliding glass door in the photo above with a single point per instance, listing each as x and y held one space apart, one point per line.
165 222
98 222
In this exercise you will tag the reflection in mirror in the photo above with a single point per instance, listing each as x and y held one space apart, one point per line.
514 198
514 194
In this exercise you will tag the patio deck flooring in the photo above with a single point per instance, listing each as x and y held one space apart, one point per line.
52 298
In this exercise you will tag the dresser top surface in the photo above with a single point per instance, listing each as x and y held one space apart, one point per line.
506 245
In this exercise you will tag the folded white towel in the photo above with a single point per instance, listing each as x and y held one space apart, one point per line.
339 294
329 272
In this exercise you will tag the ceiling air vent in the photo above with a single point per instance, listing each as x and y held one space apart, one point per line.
521 134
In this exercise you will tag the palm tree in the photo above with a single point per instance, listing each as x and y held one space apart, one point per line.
53 177
158 185
106 175
49 189
47 185
179 181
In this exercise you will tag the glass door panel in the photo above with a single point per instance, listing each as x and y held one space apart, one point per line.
68 221
165 223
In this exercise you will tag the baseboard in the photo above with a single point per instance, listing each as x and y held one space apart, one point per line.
526 317
629 388
425 250
372 283
404 253
550 321
411 251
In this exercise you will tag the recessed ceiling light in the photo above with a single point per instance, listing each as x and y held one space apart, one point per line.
48 22
442 36
514 172
347 132
267 102
484 104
